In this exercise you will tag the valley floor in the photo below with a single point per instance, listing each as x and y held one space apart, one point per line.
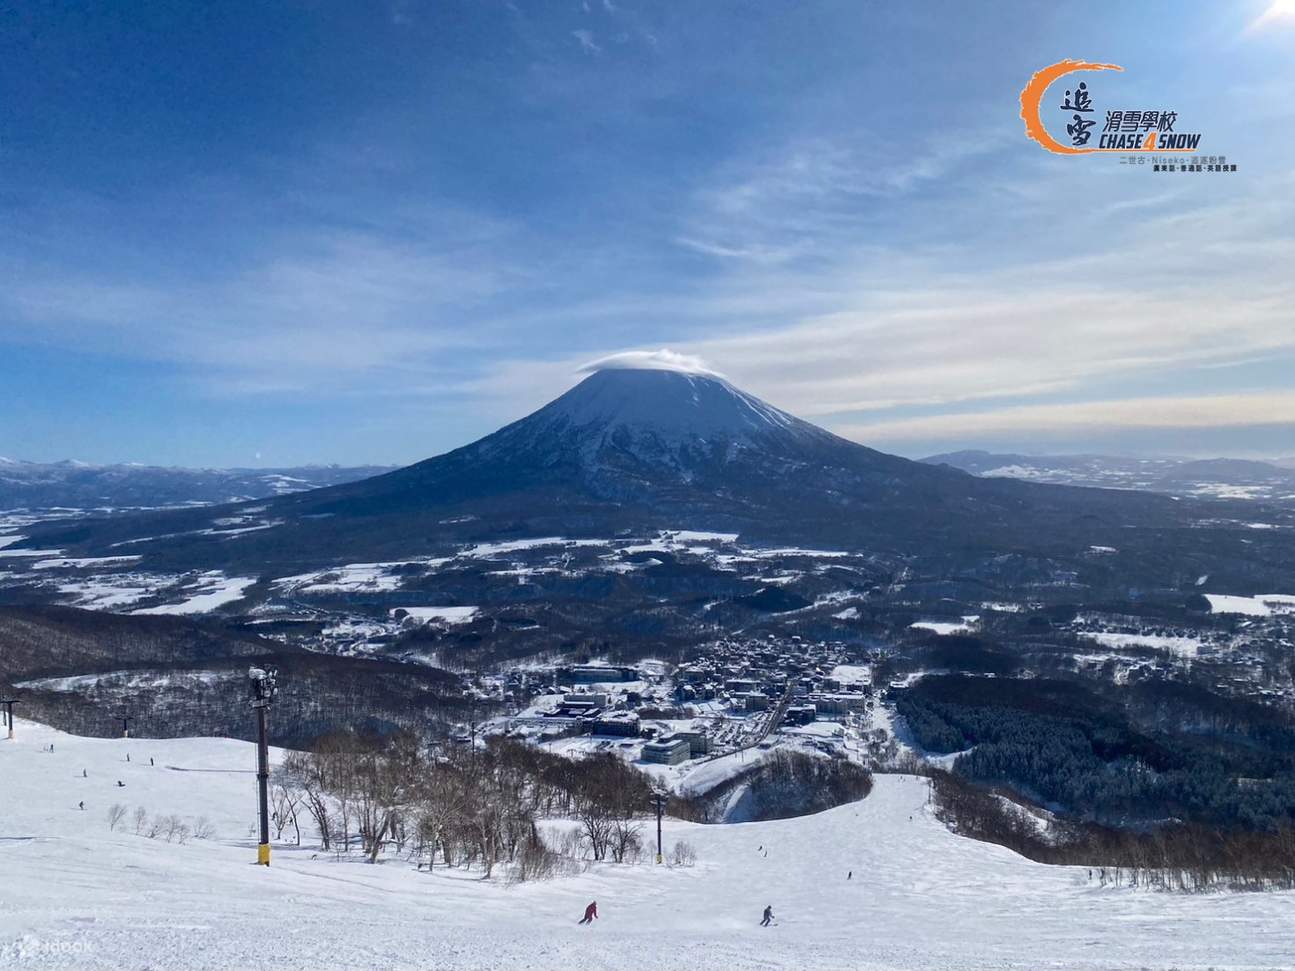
74 895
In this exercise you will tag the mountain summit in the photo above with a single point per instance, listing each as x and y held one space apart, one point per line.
673 406
667 417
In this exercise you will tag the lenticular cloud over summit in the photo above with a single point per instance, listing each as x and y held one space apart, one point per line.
661 360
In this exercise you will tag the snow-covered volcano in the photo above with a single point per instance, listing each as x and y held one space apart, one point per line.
670 405
673 419
630 450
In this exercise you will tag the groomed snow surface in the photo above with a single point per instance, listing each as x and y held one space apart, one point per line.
78 896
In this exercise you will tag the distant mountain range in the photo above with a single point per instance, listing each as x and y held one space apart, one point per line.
1218 478
633 451
77 485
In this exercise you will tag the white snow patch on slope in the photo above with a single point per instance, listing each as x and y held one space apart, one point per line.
1263 605
702 536
795 551
487 550
716 771
131 679
83 561
947 627
851 673
449 615
214 590
1182 646
114 590
351 578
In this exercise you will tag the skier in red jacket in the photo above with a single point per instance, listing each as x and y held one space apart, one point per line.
591 913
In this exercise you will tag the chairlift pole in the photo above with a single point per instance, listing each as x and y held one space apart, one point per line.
660 808
264 687
263 785
8 705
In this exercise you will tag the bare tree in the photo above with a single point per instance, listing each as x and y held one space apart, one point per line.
683 853
283 807
305 773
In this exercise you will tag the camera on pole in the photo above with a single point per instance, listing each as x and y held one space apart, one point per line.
263 688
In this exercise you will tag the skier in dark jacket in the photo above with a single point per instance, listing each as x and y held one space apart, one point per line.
768 916
591 913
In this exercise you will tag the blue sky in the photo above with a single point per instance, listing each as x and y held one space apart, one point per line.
269 234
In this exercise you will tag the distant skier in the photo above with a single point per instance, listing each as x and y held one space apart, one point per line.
81 805
127 756
120 784
83 775
850 875
150 760
768 916
591 913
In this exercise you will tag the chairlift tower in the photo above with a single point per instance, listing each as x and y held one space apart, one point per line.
263 686
658 799
8 707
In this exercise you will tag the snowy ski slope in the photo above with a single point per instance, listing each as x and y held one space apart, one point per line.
74 895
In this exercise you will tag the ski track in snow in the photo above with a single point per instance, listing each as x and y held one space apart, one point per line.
75 895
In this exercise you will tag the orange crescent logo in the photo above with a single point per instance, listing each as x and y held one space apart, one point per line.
1032 98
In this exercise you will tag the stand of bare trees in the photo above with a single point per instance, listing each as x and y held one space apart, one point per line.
463 807
1176 857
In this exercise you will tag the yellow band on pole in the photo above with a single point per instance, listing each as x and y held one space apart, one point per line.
263 854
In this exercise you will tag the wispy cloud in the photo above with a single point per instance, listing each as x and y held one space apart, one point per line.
587 42
1278 13
317 312
811 192
1087 417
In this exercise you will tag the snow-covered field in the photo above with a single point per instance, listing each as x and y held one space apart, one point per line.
1182 646
74 895
213 589
1264 605
947 627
